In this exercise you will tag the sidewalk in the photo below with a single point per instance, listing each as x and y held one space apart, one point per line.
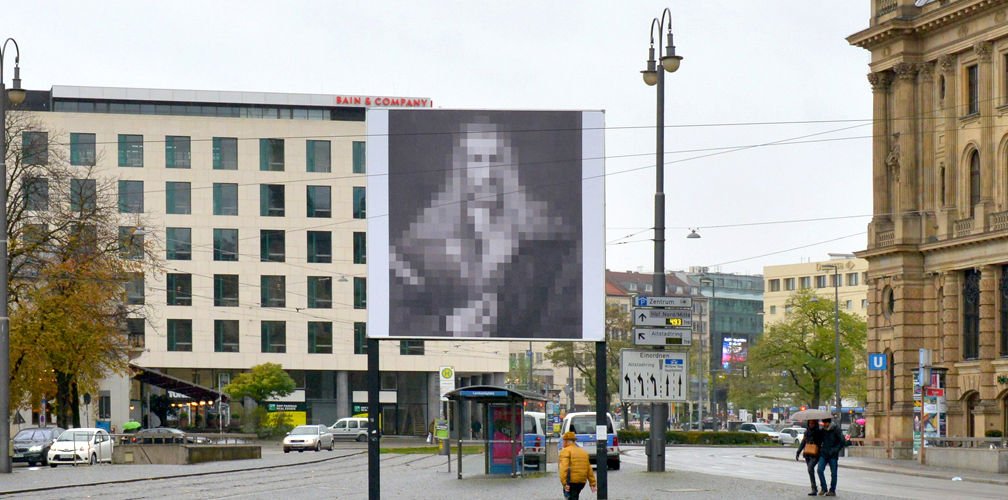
905 467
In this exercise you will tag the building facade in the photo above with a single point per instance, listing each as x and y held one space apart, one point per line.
937 247
851 281
258 203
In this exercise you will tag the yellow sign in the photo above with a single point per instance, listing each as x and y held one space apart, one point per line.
674 321
447 372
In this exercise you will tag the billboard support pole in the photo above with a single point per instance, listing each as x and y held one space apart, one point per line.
601 419
374 410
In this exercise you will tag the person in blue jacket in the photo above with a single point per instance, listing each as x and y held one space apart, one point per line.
833 443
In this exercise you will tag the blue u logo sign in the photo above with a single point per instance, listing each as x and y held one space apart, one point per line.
877 361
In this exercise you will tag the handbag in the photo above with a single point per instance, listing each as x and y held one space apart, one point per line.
811 450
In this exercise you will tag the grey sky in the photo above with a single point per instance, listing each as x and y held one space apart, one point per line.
745 61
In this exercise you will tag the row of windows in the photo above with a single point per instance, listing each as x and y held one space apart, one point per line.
843 305
178 152
273 291
337 113
805 282
648 287
273 336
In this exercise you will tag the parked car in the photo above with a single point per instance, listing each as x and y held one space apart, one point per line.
791 435
761 429
534 443
88 445
350 428
582 424
166 435
308 437
32 445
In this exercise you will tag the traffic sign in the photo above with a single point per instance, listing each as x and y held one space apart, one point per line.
664 301
447 381
663 317
663 336
654 376
877 362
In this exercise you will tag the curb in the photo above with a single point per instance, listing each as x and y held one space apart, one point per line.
906 472
174 476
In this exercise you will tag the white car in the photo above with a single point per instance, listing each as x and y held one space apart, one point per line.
791 435
350 428
761 429
85 445
308 437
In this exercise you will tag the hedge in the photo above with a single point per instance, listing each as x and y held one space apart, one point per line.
697 437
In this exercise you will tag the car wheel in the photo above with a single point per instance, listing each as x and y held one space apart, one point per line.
31 463
94 459
361 438
613 465
286 450
52 465
332 444
318 446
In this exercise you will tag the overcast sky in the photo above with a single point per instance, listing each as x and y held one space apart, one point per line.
750 67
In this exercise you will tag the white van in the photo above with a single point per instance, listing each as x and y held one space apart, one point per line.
534 441
582 424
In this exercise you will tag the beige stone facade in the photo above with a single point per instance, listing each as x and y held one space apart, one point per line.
937 247
782 281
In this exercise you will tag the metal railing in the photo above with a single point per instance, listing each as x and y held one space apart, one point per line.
962 227
190 438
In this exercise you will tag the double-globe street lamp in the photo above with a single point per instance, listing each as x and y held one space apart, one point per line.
16 96
836 331
670 62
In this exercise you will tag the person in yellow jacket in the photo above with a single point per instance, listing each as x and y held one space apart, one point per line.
575 469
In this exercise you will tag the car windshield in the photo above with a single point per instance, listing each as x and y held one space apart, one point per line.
585 424
300 431
30 435
764 428
76 436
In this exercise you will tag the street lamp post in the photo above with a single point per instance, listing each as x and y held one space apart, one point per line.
670 62
836 331
16 95
710 341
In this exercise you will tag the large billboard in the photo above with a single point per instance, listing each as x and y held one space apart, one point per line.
486 224
734 351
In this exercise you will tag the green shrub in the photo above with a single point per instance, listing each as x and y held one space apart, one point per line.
697 437
993 433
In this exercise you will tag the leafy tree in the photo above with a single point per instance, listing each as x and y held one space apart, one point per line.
802 348
262 382
581 355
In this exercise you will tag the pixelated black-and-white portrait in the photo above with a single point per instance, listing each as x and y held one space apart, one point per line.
485 224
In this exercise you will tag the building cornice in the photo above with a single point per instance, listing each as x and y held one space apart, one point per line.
900 27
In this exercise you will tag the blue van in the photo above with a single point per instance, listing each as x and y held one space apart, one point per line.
582 424
534 442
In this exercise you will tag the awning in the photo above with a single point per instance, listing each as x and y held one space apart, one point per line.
194 391
491 394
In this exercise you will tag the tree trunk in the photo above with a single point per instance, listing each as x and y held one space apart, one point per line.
74 402
816 392
62 400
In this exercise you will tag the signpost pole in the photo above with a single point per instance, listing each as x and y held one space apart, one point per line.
602 420
374 410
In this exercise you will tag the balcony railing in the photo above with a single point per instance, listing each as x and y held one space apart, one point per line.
999 221
885 238
136 340
962 227
884 7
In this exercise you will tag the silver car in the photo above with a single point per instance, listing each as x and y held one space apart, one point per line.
308 437
350 428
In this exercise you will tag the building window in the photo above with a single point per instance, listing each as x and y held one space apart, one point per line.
271 155
359 248
225 245
225 199
136 331
82 149
773 285
225 335
34 148
318 156
805 282
179 288
130 244
849 305
773 309
131 197
835 280
225 288
359 293
359 209
180 335
272 245
104 406
36 193
973 88
864 277
789 284
320 201
787 309
135 289
319 337
130 150
864 303
578 384
411 347
271 200
83 195
178 198
225 153
1003 288
274 336
359 157
319 292
852 279
359 337
273 291
178 243
84 239
177 153
974 180
971 314
820 281
320 247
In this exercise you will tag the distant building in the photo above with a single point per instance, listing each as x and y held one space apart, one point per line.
784 280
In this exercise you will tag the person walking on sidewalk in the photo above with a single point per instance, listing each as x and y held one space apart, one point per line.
809 448
575 469
833 442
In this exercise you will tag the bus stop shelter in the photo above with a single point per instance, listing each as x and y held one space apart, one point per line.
502 434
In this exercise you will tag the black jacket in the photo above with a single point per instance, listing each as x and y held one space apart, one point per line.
813 436
833 442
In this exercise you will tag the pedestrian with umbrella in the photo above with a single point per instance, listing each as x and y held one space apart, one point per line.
833 442
810 444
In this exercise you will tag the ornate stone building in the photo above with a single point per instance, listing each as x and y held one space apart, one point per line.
938 242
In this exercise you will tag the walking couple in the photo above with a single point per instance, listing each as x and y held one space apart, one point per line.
821 446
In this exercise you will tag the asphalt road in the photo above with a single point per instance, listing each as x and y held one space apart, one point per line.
693 473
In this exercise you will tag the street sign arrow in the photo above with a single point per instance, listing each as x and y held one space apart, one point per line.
663 336
660 368
663 317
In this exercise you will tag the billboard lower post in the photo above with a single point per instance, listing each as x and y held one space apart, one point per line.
601 419
374 432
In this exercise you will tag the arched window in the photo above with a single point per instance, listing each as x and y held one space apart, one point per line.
974 180
971 314
971 403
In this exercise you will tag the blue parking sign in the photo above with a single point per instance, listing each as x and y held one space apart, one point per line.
878 361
